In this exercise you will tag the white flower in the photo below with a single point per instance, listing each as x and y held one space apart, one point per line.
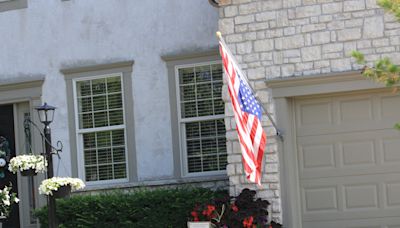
49 185
6 200
26 162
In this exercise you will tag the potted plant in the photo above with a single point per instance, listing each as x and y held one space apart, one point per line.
241 211
7 199
60 186
28 164
206 216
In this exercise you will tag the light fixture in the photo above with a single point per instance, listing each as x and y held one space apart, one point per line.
46 113
214 3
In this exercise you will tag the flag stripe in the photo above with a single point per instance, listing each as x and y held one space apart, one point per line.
247 111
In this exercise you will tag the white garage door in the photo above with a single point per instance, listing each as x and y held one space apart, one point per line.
349 160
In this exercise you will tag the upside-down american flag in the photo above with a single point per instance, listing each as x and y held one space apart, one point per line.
248 113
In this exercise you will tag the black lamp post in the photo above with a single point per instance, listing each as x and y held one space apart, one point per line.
46 115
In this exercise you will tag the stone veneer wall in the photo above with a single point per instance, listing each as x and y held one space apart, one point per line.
283 38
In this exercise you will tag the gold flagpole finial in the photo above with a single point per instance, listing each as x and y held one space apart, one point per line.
219 35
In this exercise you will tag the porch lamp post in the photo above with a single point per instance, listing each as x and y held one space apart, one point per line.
46 115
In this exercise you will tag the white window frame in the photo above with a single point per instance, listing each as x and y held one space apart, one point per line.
79 132
182 121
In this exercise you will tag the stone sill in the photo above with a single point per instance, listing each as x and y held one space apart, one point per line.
154 183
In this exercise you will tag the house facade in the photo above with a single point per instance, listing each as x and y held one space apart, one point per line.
137 86
338 163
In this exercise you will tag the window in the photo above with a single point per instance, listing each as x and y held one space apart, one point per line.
201 117
101 127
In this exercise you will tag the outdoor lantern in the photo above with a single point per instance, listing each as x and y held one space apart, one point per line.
46 113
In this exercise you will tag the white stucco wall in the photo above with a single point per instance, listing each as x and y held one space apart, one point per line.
55 34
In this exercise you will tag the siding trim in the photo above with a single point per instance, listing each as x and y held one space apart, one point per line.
13 5
327 83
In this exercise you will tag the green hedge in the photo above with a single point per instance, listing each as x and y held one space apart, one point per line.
144 208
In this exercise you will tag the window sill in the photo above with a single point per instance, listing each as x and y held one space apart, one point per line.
155 183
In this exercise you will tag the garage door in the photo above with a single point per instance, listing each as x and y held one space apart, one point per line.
349 160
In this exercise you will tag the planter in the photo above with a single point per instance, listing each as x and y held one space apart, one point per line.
3 218
28 173
199 225
62 191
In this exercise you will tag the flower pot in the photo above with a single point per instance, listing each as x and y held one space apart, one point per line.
3 218
62 191
199 225
28 173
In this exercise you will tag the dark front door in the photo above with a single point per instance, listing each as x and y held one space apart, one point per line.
7 144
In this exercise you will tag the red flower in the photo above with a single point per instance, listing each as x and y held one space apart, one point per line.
195 216
248 222
210 208
234 208
209 211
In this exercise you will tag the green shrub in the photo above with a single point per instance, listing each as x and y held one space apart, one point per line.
144 208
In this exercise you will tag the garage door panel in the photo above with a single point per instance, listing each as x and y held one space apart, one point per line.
349 171
358 152
355 109
360 196
390 106
352 197
349 154
318 156
342 114
319 113
392 194
391 149
320 199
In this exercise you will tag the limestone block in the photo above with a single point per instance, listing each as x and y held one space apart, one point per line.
308 11
334 7
373 27
263 45
354 5
231 11
244 19
349 34
311 53
321 37
290 42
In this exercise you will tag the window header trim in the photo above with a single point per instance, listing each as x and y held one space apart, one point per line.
70 71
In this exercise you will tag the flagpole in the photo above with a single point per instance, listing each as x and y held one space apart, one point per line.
278 132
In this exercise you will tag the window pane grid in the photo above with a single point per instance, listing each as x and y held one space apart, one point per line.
100 163
206 145
101 125
201 95
97 106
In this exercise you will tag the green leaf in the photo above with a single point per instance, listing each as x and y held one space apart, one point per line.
358 56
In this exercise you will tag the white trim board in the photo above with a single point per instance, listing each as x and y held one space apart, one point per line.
320 84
